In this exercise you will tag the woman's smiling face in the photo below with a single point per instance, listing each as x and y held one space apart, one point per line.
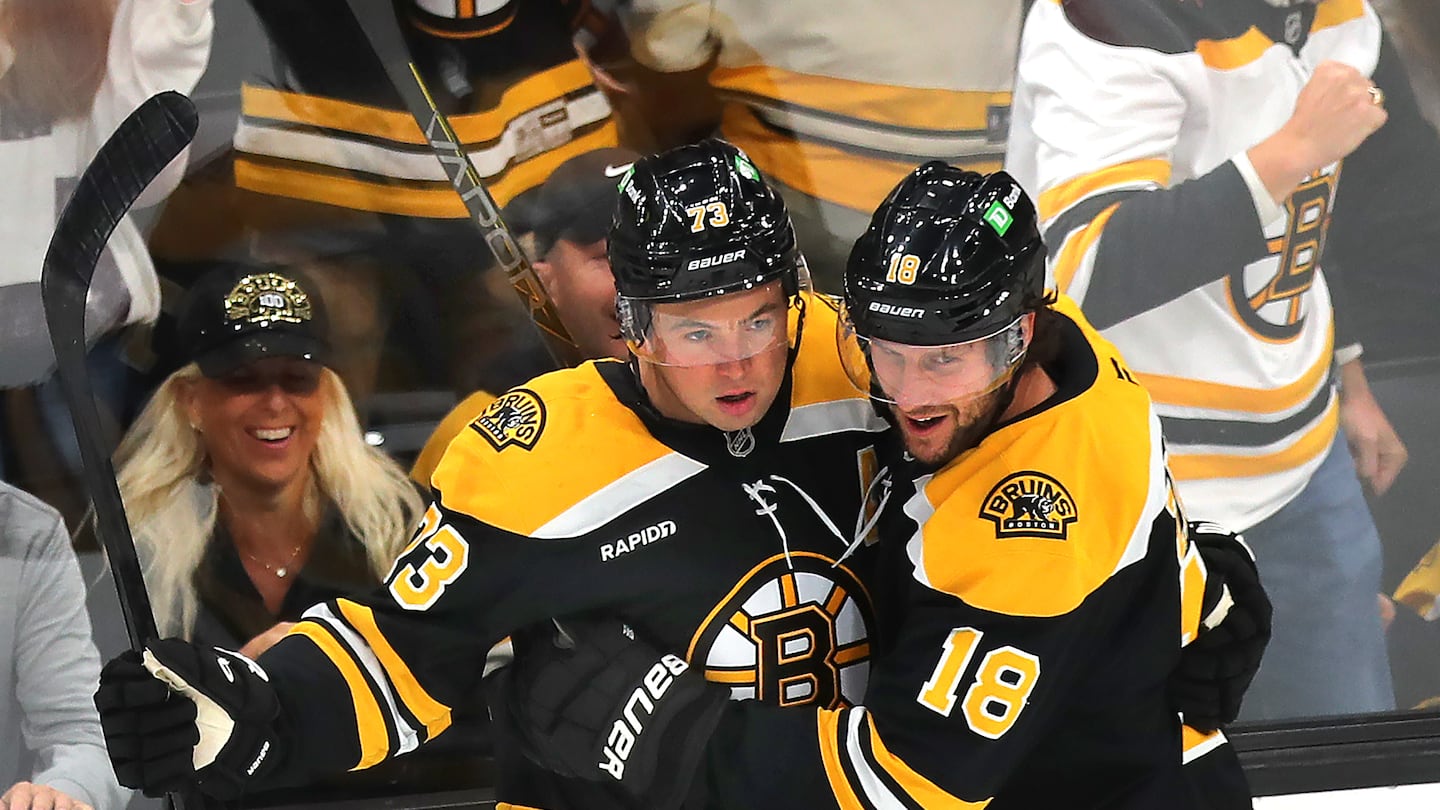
259 423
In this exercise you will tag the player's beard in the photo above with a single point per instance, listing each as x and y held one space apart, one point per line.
972 422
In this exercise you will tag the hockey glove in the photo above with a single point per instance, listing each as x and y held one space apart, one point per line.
1217 667
594 702
180 715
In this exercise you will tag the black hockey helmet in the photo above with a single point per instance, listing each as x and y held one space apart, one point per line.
950 258
698 220
694 222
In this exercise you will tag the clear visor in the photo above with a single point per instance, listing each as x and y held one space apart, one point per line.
919 376
723 329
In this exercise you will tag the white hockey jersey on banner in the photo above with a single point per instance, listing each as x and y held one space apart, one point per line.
1239 362
840 100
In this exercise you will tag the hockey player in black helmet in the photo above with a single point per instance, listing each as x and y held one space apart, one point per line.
944 301
711 285
1034 567
703 491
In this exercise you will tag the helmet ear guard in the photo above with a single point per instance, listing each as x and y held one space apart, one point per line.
632 329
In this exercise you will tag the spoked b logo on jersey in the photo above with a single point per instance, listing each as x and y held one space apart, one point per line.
1268 296
796 629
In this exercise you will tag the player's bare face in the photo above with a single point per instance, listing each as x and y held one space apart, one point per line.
260 423
744 337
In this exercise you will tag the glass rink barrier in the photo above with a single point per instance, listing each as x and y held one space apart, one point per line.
417 345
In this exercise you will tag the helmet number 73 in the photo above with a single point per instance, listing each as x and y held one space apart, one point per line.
998 691
719 216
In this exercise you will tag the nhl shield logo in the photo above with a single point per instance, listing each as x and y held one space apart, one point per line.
1029 504
516 418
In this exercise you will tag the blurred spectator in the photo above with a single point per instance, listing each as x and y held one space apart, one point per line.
563 225
569 218
326 137
251 491
51 669
64 92
72 71
1186 158
1415 25
505 72
836 102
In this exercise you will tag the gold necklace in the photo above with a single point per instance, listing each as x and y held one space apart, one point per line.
284 568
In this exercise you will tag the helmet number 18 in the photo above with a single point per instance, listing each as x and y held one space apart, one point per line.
903 268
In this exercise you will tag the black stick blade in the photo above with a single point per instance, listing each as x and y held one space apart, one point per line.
141 148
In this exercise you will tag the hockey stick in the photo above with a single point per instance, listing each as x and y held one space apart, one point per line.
377 19
141 148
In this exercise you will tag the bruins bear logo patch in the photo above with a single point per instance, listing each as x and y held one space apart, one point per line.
1029 504
265 298
516 418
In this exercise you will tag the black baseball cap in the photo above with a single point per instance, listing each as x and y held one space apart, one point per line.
577 201
237 314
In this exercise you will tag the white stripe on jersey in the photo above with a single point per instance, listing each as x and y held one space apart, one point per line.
919 509
825 418
1212 498
334 148
873 786
620 496
409 739
1156 500
1210 743
917 145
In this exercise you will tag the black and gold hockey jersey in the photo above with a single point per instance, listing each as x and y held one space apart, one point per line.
329 128
1046 587
571 495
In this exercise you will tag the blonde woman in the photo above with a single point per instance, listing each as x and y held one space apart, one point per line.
250 489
